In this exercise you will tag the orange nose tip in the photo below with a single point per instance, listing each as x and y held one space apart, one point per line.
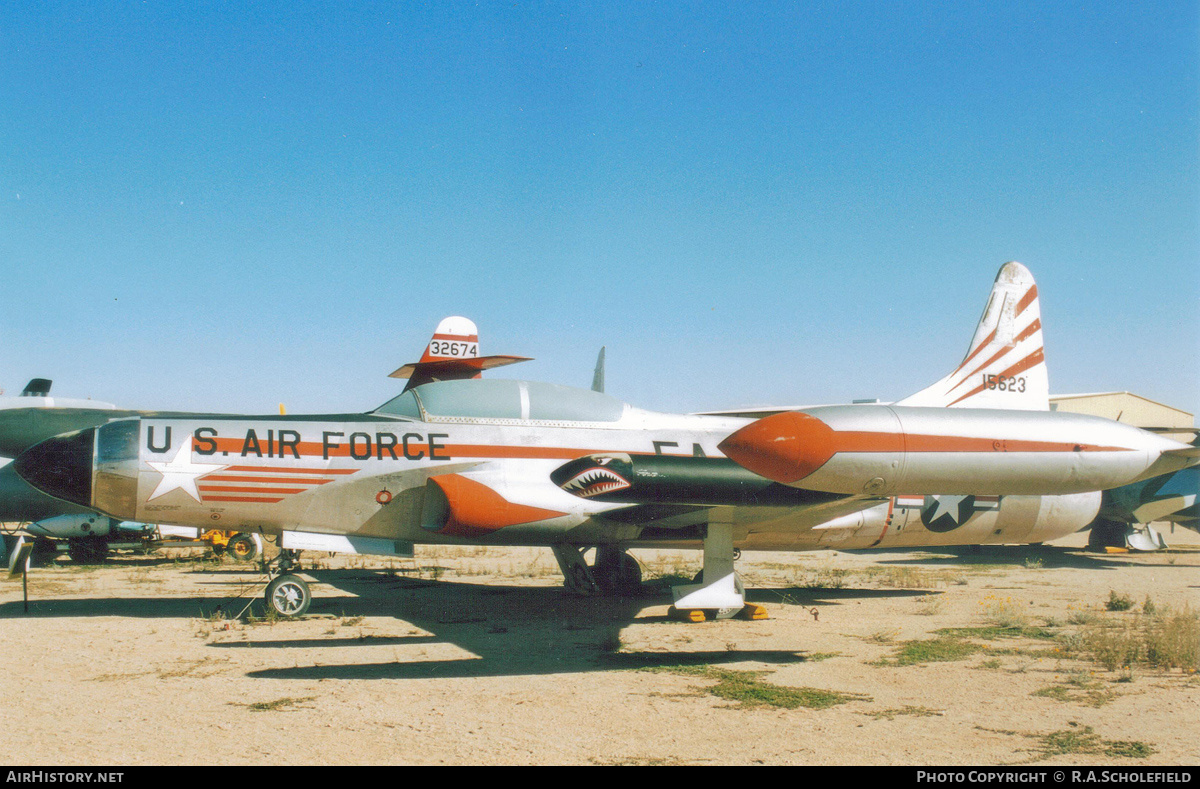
783 447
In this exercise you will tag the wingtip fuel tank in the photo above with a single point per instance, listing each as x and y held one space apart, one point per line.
889 450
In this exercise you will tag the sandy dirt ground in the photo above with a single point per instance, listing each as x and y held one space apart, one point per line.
479 656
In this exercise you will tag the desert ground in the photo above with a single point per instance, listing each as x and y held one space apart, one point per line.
479 656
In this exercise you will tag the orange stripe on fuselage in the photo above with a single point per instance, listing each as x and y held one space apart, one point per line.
372 450
284 470
841 441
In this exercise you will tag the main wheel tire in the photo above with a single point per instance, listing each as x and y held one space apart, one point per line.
1106 534
87 550
622 576
242 548
44 552
288 596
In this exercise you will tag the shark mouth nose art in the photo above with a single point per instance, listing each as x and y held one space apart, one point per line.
594 475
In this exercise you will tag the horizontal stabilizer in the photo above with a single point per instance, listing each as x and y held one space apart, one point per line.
452 355
442 370
37 387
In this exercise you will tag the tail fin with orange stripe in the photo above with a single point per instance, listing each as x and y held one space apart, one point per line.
1005 367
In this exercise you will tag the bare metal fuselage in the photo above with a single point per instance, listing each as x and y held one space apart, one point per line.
480 480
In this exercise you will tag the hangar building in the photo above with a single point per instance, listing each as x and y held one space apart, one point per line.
1129 408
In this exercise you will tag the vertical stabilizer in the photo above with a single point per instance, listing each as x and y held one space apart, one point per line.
1005 366
452 354
598 373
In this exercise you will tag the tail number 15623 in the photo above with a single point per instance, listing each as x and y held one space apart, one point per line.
1004 383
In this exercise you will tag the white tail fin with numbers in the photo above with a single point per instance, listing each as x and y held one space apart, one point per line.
452 355
1005 367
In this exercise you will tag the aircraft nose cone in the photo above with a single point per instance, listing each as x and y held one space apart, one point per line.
61 466
783 447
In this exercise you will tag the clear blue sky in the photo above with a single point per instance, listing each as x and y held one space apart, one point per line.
226 206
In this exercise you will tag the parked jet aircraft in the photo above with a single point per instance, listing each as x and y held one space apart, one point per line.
523 463
1170 498
452 354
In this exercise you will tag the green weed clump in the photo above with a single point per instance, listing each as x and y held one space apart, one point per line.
1004 612
1077 740
932 650
748 689
1161 640
1085 741
1118 602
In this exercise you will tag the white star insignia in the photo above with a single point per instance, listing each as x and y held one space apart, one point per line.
943 506
181 472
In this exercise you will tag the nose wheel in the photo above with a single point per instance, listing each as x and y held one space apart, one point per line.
288 596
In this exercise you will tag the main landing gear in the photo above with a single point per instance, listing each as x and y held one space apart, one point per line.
1108 534
717 593
615 573
87 550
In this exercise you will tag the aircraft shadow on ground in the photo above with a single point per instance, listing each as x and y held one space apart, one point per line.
140 607
243 586
1016 556
438 603
508 631
519 662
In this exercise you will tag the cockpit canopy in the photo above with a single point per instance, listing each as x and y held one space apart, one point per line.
489 400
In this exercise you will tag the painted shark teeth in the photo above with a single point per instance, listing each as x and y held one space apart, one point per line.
594 482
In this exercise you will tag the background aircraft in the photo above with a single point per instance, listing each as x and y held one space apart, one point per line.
1170 498
523 463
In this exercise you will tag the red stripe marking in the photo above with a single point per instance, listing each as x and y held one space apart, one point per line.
987 341
995 357
237 489
218 477
249 499
887 522
1027 299
1025 334
1029 330
1032 360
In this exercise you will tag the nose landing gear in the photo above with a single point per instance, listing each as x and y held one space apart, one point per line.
287 594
